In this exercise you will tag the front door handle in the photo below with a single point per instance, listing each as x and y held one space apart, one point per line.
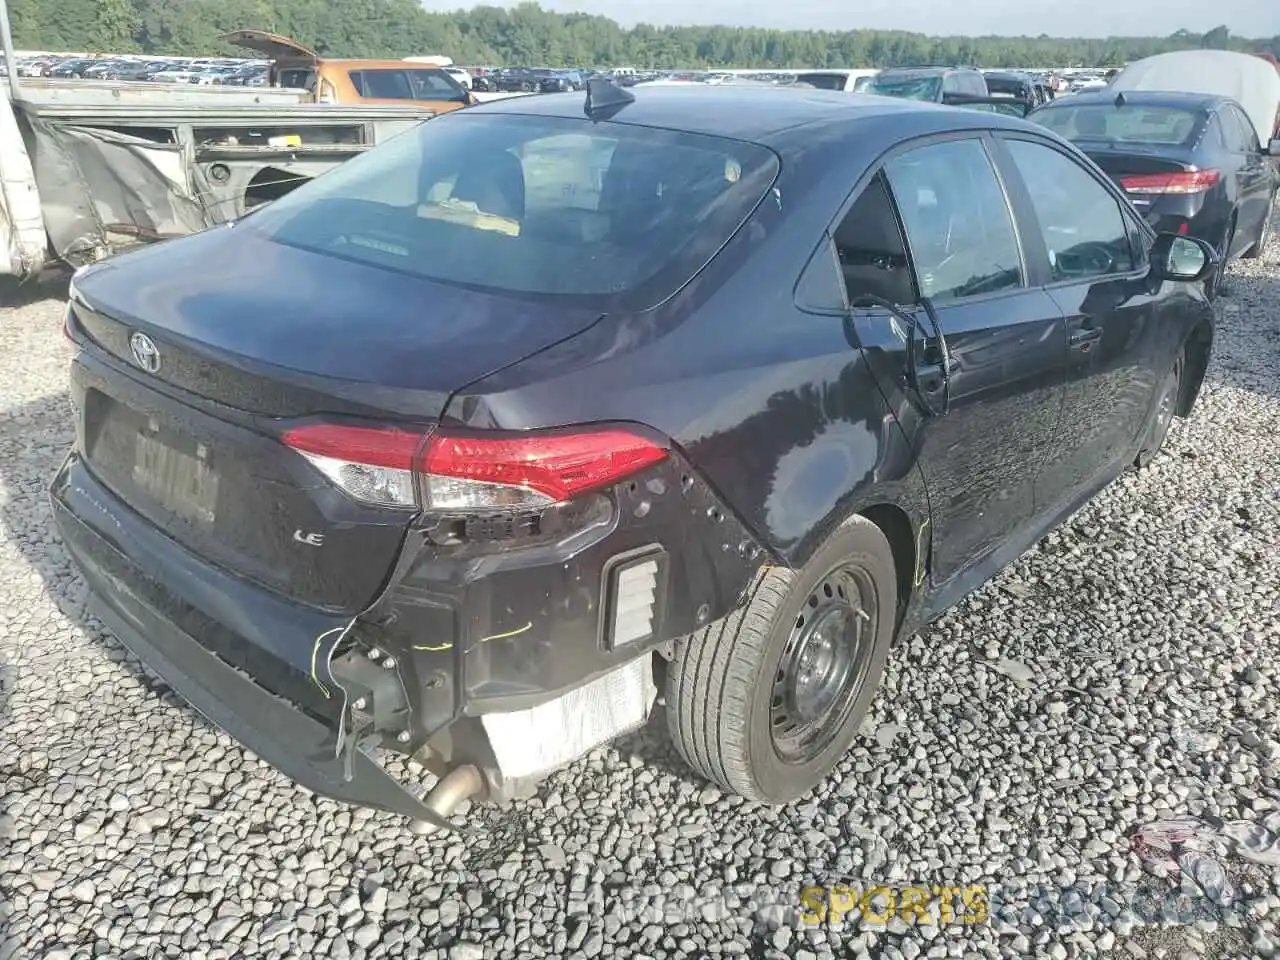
1084 338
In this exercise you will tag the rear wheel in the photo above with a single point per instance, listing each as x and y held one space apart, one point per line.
1216 285
1170 390
766 701
1264 236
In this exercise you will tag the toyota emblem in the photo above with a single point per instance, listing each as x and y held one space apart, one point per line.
144 352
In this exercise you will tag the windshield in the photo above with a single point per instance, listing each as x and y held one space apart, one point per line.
622 216
1130 124
914 88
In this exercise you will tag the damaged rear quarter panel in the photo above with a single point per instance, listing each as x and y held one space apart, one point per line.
494 632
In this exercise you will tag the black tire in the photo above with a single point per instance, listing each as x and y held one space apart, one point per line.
1158 432
1264 237
1216 285
721 698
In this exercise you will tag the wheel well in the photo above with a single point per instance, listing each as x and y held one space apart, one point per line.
270 183
896 527
1196 357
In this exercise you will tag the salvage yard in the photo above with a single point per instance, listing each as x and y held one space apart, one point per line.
1124 673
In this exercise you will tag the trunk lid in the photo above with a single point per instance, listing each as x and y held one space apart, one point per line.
252 336
1122 163
270 45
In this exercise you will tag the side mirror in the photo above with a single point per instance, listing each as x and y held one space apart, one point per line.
1186 259
1273 148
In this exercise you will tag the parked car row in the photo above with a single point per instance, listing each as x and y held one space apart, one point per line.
1192 138
198 71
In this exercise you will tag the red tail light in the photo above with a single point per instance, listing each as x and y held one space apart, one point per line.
1190 181
472 472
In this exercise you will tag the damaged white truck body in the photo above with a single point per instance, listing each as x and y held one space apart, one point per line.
89 169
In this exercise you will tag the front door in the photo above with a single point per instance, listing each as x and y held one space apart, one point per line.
1098 278
980 434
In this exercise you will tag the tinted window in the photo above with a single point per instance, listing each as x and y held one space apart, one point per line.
1132 124
382 84
1249 142
532 205
824 81
871 249
908 88
1083 228
294 79
957 220
434 85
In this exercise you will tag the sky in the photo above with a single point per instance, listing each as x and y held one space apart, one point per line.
1074 18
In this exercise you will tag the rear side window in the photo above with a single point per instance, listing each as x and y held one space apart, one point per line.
1247 136
957 218
1083 228
871 249
544 206
298 78
382 84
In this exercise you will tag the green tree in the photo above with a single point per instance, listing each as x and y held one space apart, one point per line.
116 27
528 35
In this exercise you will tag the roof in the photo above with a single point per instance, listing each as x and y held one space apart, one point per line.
747 112
1145 98
931 70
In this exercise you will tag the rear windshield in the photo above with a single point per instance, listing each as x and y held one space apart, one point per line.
824 81
908 88
1131 124
539 206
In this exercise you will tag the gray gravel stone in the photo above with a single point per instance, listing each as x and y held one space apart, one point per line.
1120 672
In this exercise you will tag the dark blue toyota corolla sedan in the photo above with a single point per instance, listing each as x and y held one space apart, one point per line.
479 446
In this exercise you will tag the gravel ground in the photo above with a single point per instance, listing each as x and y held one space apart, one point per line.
1123 672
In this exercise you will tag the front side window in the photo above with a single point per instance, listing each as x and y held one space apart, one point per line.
958 224
1082 224
434 85
615 215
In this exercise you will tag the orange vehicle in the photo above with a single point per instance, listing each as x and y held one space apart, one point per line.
353 81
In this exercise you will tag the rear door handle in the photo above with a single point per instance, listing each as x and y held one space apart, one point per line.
1084 338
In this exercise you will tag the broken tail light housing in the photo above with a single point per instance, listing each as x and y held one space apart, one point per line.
471 473
1183 182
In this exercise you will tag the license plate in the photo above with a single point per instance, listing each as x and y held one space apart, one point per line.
181 483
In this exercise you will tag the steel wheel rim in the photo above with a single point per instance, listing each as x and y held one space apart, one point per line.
823 666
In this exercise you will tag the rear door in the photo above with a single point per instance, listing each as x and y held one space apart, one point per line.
1097 275
982 429
1255 179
